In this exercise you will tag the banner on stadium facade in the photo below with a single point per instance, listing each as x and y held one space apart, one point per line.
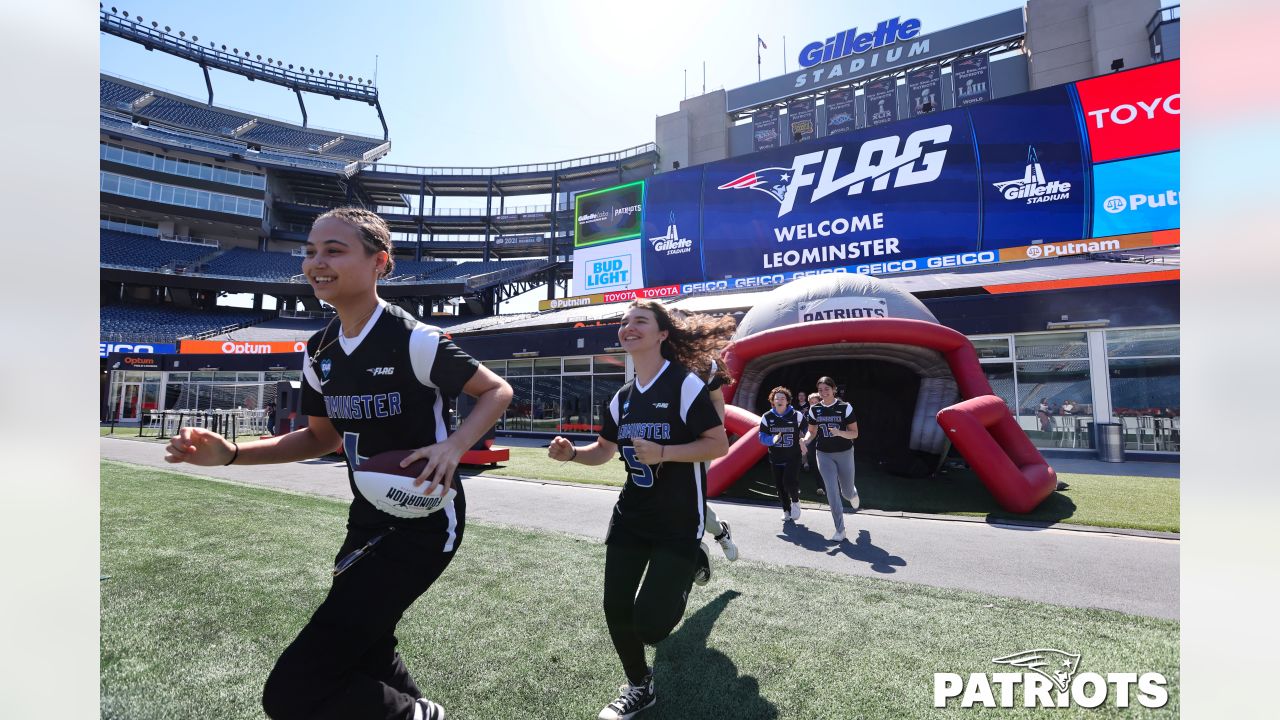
510 240
971 80
105 348
1136 241
1137 195
800 120
240 347
868 57
1132 113
608 215
764 129
882 101
649 293
924 91
840 111
946 189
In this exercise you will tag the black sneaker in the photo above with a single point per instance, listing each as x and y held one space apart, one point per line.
702 575
632 700
430 710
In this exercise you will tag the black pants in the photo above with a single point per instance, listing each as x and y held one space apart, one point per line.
786 478
344 663
646 617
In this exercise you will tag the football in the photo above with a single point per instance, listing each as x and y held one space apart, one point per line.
390 488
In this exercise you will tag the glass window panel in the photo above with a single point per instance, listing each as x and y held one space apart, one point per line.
180 376
546 366
1148 387
520 411
202 376
577 365
519 367
115 154
989 348
1000 377
224 376
1051 346
499 367
252 377
1043 389
219 175
575 403
603 388
546 403
1149 341
610 363
110 183
294 375
132 376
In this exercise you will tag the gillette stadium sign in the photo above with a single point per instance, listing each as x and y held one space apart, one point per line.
850 42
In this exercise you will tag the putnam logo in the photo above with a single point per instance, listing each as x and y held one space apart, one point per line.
1050 681
882 161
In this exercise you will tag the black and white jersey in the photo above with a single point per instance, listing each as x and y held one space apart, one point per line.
784 432
836 416
387 389
664 501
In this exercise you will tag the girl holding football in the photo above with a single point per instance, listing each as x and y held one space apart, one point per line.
664 427
375 380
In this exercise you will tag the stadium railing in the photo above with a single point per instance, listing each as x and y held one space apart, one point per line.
513 169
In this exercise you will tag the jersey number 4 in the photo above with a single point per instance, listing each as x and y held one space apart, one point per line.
641 474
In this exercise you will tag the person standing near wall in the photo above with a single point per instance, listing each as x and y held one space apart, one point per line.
833 427
781 429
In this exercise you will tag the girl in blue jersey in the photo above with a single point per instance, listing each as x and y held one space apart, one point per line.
343 664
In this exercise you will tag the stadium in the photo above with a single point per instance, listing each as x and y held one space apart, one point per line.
1012 180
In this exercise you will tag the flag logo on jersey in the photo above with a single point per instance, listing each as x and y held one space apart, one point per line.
325 366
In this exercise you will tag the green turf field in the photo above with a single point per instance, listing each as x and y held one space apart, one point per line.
209 581
1108 501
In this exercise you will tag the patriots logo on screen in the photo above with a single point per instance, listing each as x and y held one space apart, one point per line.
1056 665
771 180
914 161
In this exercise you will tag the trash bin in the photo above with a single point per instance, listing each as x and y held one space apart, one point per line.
1109 441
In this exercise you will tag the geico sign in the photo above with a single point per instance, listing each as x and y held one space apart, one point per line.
104 348
1125 114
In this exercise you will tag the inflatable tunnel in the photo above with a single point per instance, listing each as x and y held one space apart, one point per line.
841 321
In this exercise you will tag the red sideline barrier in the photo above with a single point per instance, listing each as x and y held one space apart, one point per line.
485 457
997 449
742 455
984 431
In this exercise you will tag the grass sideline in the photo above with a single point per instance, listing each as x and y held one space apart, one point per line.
1141 503
209 581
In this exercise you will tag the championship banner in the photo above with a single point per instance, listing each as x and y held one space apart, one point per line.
882 101
840 111
666 291
800 119
240 347
924 91
1136 241
971 79
511 240
764 127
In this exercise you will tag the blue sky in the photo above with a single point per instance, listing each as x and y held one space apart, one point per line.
500 83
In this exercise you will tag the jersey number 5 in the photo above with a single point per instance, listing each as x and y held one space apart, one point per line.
641 474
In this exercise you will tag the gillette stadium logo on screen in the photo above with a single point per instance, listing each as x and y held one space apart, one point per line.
880 164
851 42
609 215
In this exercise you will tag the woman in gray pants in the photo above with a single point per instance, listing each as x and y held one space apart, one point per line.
834 427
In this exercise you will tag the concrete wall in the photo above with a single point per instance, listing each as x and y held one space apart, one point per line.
696 133
1069 40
